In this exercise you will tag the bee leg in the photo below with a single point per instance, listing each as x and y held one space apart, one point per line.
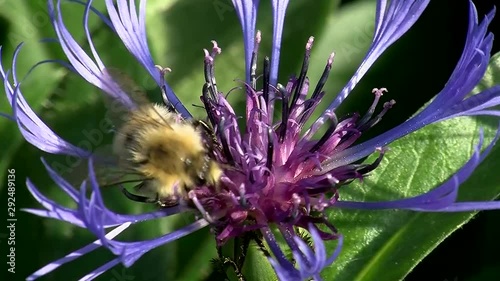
208 131
138 198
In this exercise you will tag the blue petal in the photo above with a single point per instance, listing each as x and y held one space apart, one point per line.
81 62
390 24
96 217
130 252
469 70
32 128
77 217
93 214
443 197
247 13
131 28
76 254
310 263
97 272
479 104
279 11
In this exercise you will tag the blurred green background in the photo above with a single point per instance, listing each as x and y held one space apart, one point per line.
413 70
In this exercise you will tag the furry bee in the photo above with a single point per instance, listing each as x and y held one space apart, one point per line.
170 154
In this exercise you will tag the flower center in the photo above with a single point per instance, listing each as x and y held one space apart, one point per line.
273 172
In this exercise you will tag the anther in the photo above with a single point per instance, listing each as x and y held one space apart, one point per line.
303 71
296 205
388 105
370 167
284 112
307 202
209 108
332 180
378 93
335 197
270 150
324 76
243 200
331 129
321 203
265 80
253 63
317 93
209 72
198 205
225 145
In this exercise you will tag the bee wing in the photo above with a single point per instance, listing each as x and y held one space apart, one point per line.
127 84
107 170
116 110
113 176
137 95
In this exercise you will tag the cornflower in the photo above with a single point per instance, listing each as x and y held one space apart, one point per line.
277 173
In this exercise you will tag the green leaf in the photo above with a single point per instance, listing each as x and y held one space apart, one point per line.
387 245
492 76
257 266
399 240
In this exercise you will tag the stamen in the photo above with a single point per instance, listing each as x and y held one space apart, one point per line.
319 88
296 205
198 205
270 150
251 177
378 93
208 106
215 49
242 191
334 198
331 129
324 76
370 167
209 74
284 112
163 71
388 105
265 80
321 203
303 71
333 182
316 125
307 201
255 52
225 145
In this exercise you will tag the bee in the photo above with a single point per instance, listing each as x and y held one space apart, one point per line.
170 154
